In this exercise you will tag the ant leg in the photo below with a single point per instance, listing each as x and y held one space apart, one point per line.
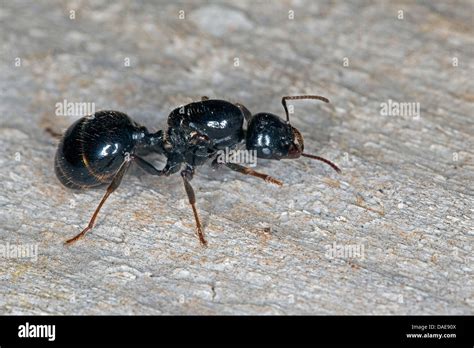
113 185
53 133
247 114
172 166
248 171
203 98
284 99
187 175
215 164
148 167
197 137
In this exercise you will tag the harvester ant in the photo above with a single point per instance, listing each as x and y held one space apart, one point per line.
98 149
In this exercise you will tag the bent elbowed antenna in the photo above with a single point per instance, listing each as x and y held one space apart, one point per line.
296 97
318 97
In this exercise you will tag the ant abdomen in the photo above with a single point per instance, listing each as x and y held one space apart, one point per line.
93 148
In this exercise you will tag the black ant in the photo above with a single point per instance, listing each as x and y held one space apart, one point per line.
98 149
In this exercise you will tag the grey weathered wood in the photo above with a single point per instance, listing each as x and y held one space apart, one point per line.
406 192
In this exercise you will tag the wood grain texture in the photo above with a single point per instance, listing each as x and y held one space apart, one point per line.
405 195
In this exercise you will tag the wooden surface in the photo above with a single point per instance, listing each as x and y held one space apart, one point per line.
405 195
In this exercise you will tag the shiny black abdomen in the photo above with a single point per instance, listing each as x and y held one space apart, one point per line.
219 120
93 148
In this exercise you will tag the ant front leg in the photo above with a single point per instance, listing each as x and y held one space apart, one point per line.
187 175
249 171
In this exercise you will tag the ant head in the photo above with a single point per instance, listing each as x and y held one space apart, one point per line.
274 138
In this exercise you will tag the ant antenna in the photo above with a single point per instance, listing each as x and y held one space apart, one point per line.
336 168
284 99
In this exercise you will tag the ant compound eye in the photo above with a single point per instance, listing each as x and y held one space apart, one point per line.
297 145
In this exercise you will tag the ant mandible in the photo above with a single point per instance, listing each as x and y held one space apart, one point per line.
98 149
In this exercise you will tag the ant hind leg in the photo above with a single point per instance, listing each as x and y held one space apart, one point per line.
112 187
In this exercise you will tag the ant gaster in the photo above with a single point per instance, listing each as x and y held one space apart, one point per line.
98 149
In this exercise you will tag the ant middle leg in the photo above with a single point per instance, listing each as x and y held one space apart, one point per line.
112 187
249 171
215 164
187 175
